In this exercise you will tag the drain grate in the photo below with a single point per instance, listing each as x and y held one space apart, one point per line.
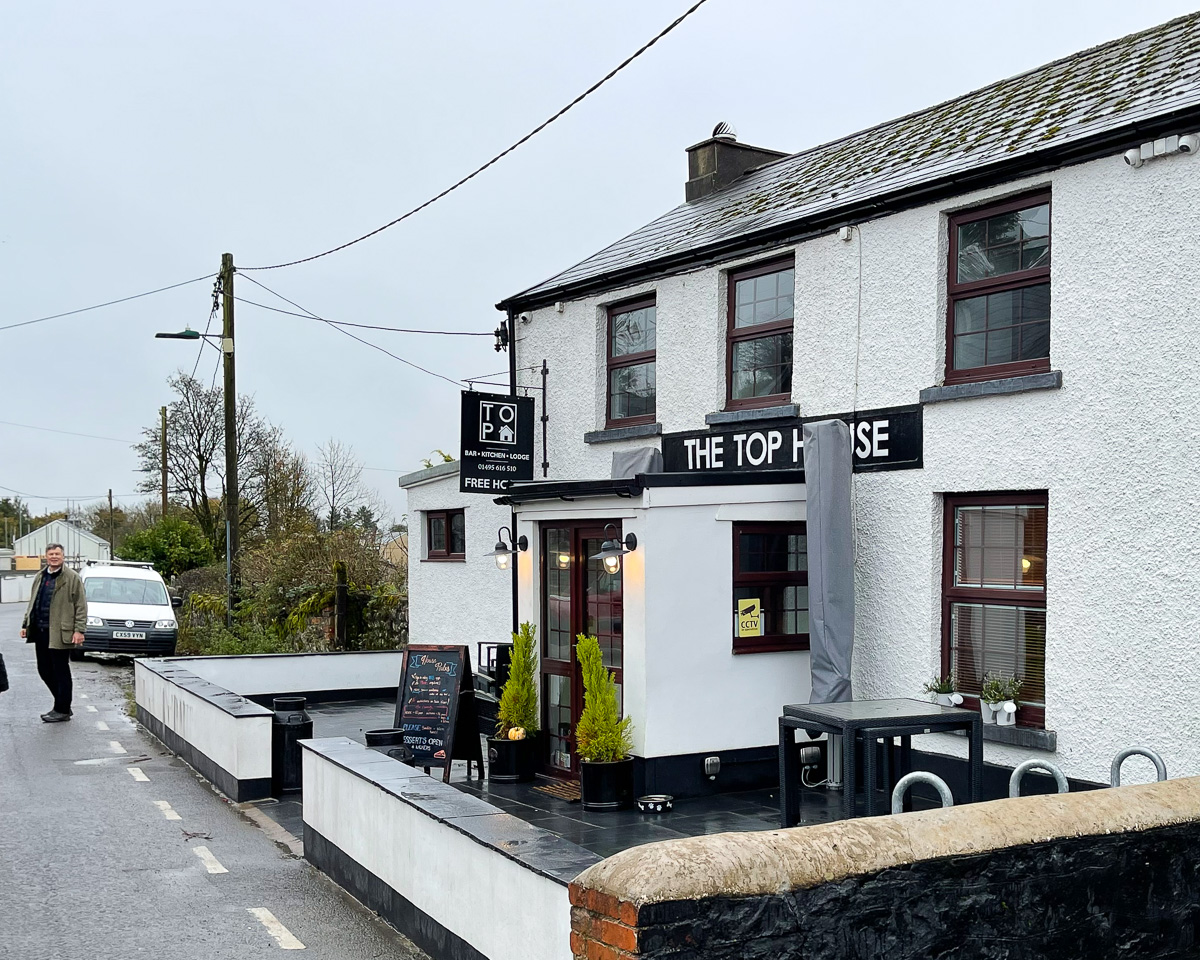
563 791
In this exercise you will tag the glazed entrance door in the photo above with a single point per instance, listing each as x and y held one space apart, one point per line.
578 596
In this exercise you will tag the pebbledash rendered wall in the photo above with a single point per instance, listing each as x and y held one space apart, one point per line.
452 601
1116 447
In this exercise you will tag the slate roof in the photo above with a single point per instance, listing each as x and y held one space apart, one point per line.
1115 87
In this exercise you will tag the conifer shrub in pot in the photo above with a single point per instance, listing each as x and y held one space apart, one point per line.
513 751
603 737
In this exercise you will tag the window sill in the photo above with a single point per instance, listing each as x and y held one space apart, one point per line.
1031 737
1051 380
613 434
444 560
780 412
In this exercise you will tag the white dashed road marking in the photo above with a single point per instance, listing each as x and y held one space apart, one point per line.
211 863
115 747
166 810
137 774
282 935
101 725
92 709
84 696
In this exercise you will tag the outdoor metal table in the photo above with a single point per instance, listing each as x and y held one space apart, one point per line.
869 720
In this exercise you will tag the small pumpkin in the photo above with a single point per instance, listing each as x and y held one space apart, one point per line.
516 733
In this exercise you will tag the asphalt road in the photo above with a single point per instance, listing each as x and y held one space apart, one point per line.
100 862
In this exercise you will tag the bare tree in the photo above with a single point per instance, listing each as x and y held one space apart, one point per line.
196 456
339 482
289 494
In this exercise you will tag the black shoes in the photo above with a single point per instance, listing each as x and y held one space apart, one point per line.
54 716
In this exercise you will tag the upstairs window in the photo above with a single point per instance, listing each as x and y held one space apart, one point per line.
761 314
999 322
445 535
994 595
631 378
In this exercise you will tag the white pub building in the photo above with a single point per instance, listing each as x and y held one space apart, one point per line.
999 295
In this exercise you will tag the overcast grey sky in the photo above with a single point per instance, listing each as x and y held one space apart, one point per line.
140 141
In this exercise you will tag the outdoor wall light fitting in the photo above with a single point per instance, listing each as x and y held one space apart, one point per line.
612 549
503 551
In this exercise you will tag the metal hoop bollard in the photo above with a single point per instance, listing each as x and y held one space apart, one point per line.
1014 782
1152 756
920 776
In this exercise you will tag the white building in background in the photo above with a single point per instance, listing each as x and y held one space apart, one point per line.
999 294
78 544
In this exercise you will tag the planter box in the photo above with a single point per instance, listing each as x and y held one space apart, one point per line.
513 761
606 786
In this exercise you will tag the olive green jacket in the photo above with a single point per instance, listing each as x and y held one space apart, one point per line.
68 608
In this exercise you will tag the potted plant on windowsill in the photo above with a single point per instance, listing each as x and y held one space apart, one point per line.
513 751
603 737
998 699
942 691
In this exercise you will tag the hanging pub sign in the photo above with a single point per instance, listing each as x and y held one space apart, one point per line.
435 707
888 439
496 442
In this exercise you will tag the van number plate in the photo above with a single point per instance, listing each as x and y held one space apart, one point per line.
128 635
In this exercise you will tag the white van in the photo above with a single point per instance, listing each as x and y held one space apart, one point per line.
129 609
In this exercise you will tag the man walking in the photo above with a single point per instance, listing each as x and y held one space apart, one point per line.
54 621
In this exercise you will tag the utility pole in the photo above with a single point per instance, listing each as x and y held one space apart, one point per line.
231 471
112 539
162 413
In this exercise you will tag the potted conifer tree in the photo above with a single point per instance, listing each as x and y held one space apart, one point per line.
603 737
513 751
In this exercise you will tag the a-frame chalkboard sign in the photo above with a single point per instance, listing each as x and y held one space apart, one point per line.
435 707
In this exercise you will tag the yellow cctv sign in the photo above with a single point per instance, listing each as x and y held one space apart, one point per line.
749 618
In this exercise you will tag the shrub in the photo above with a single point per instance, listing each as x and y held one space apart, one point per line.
602 735
518 700
173 545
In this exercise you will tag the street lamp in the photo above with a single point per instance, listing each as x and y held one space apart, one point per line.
230 393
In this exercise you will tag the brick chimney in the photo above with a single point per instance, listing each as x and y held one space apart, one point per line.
715 163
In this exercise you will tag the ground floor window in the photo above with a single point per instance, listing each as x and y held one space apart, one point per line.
770 587
445 535
994 595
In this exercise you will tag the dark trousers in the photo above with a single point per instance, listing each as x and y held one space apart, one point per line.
54 667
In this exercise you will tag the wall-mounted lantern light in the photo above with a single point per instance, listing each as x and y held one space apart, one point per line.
563 559
612 549
503 551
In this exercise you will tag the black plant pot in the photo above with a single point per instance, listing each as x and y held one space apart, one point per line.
606 786
512 761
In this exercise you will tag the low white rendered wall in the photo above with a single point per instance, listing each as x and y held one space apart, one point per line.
231 732
499 907
282 673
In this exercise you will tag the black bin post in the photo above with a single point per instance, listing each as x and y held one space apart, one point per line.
289 726
390 742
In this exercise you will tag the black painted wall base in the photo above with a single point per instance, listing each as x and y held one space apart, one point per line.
326 696
222 779
757 768
375 894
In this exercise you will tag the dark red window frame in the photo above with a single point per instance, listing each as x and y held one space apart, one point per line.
734 334
1009 281
446 516
769 643
626 360
1027 716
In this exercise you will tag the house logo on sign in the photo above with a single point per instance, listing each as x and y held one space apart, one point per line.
498 423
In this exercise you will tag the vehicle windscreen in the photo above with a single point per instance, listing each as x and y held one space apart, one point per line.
123 590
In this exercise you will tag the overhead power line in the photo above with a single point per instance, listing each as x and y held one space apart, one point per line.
109 303
334 326
363 326
500 156
69 433
95 496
